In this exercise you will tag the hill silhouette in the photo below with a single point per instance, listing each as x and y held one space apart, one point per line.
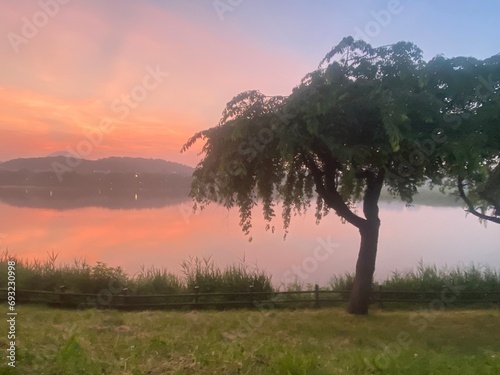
106 165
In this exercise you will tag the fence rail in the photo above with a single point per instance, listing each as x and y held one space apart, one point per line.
124 300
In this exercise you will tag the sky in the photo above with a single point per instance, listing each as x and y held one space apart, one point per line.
138 78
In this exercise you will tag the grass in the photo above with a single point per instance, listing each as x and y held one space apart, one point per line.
426 277
474 280
289 342
80 277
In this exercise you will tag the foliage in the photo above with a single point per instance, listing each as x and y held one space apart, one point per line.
472 278
344 126
234 278
154 280
342 282
469 90
80 277
371 117
369 112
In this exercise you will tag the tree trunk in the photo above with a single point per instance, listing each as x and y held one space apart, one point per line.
365 267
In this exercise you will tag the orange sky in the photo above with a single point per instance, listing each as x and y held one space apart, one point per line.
64 64
89 56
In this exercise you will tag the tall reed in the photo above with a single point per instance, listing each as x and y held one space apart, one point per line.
80 277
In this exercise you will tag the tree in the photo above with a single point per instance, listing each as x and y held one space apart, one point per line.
365 120
483 198
470 91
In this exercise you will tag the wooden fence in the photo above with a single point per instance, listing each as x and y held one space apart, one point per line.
124 300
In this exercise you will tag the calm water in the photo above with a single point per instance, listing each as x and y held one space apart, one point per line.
129 231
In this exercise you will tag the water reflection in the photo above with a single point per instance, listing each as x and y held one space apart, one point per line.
87 225
71 198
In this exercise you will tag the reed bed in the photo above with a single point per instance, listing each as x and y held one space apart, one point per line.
203 275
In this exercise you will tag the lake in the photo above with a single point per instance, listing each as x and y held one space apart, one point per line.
135 229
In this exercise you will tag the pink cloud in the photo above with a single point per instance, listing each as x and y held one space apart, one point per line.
92 53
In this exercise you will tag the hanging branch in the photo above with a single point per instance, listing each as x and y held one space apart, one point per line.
470 207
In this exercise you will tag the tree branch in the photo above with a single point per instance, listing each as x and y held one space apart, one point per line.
331 196
470 207
374 185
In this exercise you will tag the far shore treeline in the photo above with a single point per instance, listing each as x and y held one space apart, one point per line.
115 178
104 174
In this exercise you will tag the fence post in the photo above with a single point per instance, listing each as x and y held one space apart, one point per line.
251 295
316 295
62 297
126 300
380 302
196 292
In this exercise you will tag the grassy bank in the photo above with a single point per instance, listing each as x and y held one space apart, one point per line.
316 342
80 277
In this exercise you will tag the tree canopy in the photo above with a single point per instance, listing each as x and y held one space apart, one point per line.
470 91
366 118
364 113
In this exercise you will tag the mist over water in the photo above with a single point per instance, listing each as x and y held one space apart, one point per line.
131 229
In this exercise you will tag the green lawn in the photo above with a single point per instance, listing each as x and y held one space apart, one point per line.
325 341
